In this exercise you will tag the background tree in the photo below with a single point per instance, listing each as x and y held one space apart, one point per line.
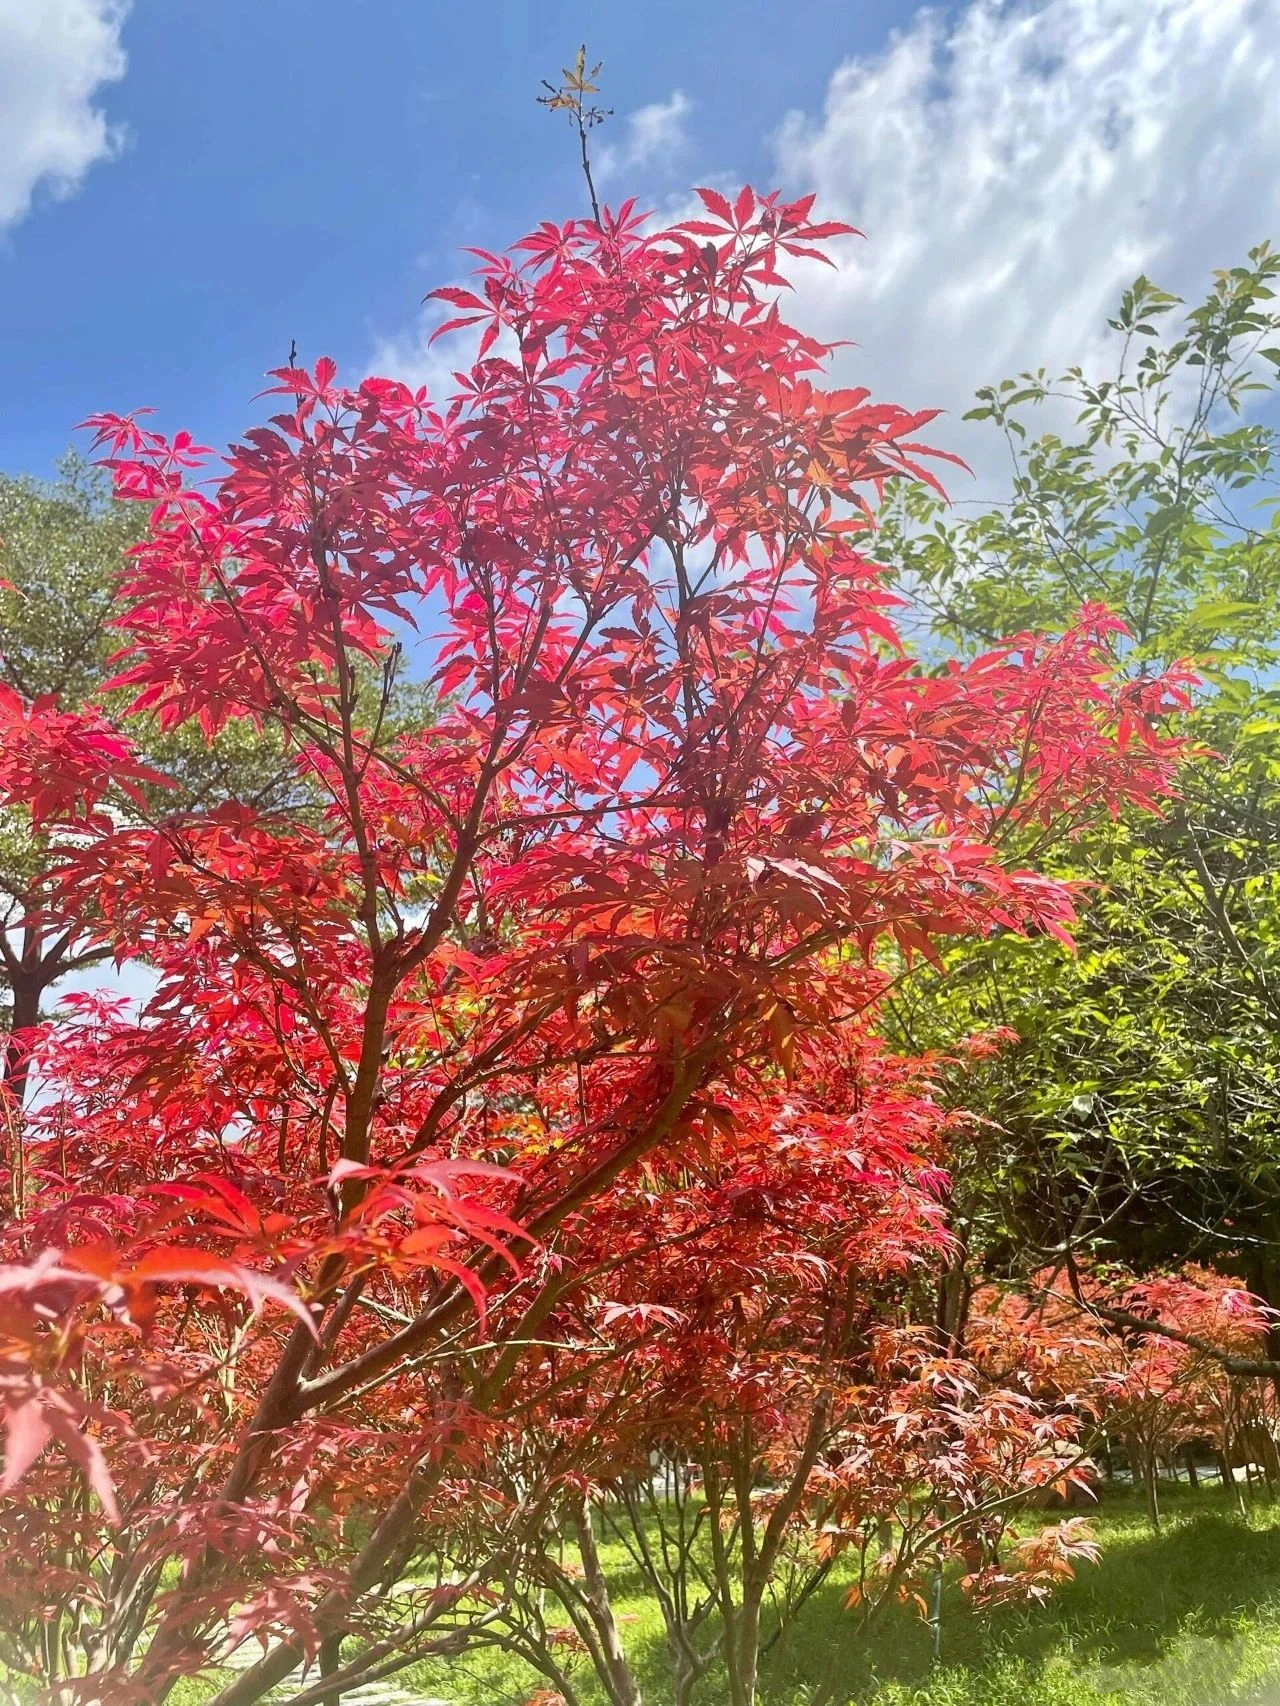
1158 1365
64 549
1138 1111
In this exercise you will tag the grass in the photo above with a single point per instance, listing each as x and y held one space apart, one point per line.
1190 1617
1187 1618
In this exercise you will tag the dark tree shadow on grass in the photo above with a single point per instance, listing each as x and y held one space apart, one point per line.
1201 1575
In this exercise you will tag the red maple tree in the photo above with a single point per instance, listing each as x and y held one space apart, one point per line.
1160 1364
681 787
734 1387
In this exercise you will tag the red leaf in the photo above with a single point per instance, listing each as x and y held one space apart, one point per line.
715 203
26 1435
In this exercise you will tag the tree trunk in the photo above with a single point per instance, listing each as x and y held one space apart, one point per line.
1153 1492
1228 1475
330 1659
1263 1279
26 1013
618 1680
742 1653
1192 1478
1143 1463
954 1292
1266 1454
683 1678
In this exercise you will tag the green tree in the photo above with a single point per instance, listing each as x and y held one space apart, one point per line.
1139 1114
63 546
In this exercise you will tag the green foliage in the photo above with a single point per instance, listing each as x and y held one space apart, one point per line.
1157 504
63 547
1140 1112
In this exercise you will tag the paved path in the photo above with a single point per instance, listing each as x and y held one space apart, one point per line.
389 1693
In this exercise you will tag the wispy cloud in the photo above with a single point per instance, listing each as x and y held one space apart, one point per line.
655 135
1015 166
55 56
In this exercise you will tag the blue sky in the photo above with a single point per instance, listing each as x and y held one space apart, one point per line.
185 187
309 168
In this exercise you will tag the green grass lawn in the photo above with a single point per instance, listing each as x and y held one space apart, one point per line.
1190 1617
1187 1618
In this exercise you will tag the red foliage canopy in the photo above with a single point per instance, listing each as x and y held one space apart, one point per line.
681 788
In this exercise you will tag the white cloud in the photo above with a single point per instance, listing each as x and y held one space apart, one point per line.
654 136
415 359
55 55
1015 167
